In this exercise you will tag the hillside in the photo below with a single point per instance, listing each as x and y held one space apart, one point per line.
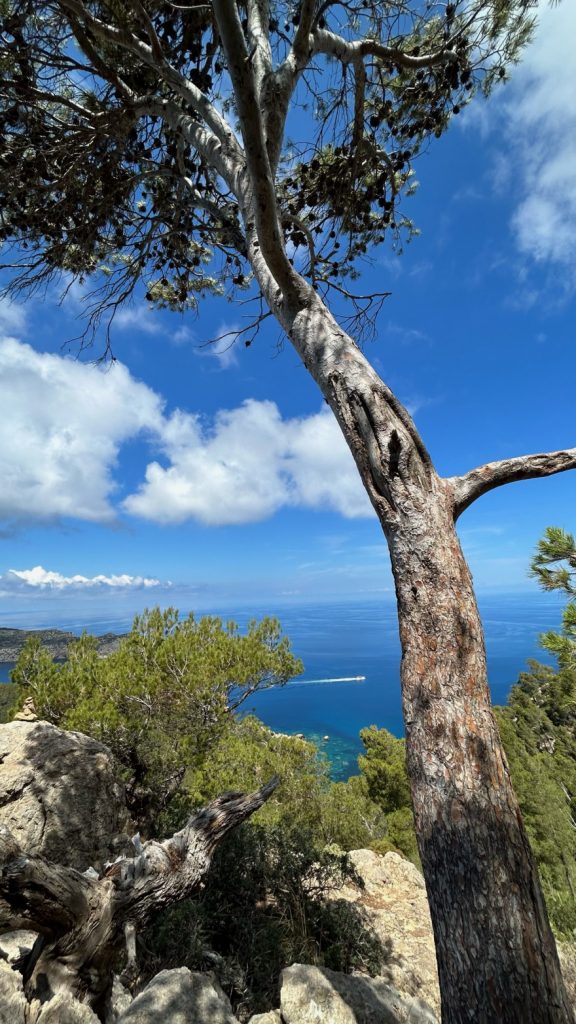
55 640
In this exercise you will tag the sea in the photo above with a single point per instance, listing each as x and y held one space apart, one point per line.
340 641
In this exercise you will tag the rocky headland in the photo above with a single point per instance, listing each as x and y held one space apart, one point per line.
55 640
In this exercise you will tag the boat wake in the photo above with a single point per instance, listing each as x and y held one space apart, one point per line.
333 679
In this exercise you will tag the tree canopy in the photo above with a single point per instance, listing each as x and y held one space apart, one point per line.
163 699
152 141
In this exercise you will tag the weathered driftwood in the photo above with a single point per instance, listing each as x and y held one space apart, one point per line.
83 920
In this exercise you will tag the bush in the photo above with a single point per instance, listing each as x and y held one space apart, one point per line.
265 906
162 700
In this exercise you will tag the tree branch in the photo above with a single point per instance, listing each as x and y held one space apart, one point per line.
34 893
347 51
156 59
258 38
263 207
280 84
56 901
472 485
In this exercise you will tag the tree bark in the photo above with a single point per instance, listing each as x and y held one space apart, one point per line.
496 954
85 920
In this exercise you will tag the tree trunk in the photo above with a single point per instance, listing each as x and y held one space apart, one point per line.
85 920
496 954
497 958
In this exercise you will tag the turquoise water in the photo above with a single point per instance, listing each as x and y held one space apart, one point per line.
361 639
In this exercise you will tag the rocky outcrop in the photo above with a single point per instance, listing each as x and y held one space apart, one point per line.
16 944
13 1005
314 995
60 795
180 997
392 893
62 1009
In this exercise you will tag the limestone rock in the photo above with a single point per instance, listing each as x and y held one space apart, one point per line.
120 998
316 995
15 944
393 895
64 1009
180 997
59 794
272 1017
28 712
12 1001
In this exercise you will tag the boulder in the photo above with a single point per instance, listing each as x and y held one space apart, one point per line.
64 1009
59 794
120 998
16 944
272 1017
317 995
180 997
392 893
13 1004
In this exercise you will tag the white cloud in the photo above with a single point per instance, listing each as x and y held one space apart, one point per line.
539 133
138 317
224 347
43 579
62 425
246 466
12 317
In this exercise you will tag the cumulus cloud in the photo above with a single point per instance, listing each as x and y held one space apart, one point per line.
12 317
44 579
246 465
61 429
64 424
539 128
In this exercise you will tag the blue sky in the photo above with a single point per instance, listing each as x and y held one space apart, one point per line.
214 477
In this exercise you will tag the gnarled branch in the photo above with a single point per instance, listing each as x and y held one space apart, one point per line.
84 915
470 486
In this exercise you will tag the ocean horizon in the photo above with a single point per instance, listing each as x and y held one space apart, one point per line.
338 642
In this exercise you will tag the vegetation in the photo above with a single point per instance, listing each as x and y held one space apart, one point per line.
160 701
122 164
8 696
266 905
266 902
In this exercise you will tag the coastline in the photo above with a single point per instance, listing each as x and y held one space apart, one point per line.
12 642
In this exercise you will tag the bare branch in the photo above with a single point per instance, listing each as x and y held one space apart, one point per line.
55 900
359 102
37 894
281 83
347 51
259 40
147 22
263 208
472 485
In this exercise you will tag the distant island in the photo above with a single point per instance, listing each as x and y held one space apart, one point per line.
55 640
